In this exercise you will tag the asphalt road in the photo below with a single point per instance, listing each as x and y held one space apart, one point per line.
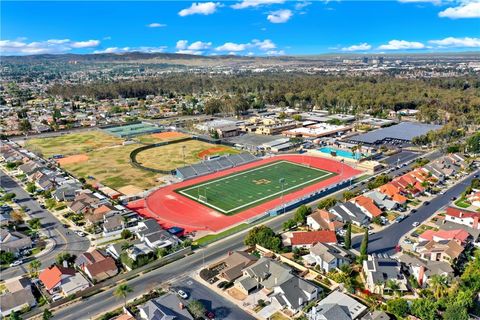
401 157
386 240
51 227
220 306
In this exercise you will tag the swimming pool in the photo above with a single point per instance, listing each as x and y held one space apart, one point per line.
341 153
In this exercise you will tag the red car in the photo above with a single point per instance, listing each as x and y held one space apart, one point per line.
209 314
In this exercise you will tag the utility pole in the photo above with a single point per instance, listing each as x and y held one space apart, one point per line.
282 182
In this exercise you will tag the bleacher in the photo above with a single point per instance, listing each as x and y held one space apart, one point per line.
214 165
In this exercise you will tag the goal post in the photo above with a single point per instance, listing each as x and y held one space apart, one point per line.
202 198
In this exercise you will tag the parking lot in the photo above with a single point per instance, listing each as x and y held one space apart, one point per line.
400 158
221 307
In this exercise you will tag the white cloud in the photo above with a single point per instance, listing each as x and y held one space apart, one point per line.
132 49
466 9
194 52
401 45
182 44
279 16
358 47
255 3
452 42
85 44
435 2
156 25
266 44
193 48
232 47
302 4
204 8
262 45
199 45
275 53
52 46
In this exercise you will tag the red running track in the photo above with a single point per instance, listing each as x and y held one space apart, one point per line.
172 209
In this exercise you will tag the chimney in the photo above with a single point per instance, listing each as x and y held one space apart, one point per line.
65 263
300 301
275 280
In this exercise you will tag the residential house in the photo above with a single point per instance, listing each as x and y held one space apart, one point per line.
60 279
232 266
376 315
328 256
423 270
18 297
83 201
394 192
29 168
349 212
278 282
367 206
150 232
306 239
459 235
378 270
96 265
465 217
337 306
14 242
474 198
167 307
324 220
66 192
381 200
97 214
113 224
444 250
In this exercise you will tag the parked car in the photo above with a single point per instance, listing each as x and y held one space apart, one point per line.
370 232
454 198
400 218
56 297
80 233
407 241
209 314
413 210
426 203
416 224
182 294
16 263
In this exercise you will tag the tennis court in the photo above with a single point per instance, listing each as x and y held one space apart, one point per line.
248 188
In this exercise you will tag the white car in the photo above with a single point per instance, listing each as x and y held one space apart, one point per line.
16 263
56 297
416 224
80 233
182 294
370 232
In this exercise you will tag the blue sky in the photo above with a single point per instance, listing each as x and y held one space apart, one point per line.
248 27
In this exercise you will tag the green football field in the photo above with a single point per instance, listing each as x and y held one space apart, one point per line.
245 189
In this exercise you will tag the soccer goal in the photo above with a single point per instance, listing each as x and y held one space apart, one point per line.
202 198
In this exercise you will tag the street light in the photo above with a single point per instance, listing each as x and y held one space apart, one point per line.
282 182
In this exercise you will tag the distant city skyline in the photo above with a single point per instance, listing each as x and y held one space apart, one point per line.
248 27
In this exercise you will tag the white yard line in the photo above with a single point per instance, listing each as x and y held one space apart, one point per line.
183 192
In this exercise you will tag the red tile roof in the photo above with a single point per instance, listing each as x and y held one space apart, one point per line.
459 213
457 234
311 237
368 204
53 275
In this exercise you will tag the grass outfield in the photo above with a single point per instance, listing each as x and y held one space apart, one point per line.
111 167
170 156
239 191
72 143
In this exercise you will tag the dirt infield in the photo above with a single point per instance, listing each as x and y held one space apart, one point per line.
168 135
172 209
73 159
214 150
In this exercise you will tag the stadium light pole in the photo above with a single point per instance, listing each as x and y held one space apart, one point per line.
282 182
183 151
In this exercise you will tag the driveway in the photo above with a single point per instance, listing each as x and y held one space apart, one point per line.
222 308
64 239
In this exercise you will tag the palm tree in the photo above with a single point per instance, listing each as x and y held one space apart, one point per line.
438 285
122 291
34 266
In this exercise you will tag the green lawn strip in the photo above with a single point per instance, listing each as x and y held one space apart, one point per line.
252 187
215 237
462 203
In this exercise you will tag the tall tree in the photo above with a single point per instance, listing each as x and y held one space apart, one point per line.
47 314
122 291
364 246
34 266
348 236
